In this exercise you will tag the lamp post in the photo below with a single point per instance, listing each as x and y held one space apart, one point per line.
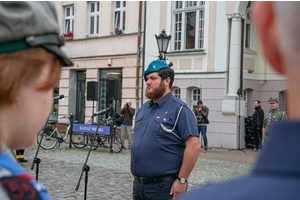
162 43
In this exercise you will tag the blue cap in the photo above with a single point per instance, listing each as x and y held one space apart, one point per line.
154 66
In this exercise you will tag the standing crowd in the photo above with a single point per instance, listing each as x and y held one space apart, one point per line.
263 121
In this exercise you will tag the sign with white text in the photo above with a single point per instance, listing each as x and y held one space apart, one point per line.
91 129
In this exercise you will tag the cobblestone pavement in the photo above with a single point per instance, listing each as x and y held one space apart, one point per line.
109 176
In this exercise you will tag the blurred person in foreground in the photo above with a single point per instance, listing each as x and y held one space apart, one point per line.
166 142
30 65
277 172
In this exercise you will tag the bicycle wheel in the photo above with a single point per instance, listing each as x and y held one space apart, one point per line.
78 140
46 143
89 140
116 143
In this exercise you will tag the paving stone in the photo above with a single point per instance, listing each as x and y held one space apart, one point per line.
109 176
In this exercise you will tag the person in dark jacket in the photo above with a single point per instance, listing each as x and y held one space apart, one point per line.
257 123
127 112
201 114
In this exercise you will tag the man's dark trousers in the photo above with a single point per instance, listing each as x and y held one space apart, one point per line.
149 191
257 136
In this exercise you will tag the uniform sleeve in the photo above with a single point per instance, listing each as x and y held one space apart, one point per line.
285 116
265 120
186 125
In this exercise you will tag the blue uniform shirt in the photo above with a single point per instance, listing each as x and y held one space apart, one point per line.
154 152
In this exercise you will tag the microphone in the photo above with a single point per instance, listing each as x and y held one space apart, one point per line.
58 97
101 112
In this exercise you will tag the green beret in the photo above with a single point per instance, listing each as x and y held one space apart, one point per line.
272 100
154 66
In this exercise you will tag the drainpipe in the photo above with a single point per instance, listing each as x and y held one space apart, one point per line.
144 47
138 57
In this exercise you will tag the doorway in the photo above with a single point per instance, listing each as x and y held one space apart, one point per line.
80 96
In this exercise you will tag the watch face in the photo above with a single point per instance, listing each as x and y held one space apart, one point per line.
182 180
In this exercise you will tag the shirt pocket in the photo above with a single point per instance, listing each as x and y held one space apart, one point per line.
138 120
165 122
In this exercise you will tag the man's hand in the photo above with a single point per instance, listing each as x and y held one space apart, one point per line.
177 189
258 128
262 142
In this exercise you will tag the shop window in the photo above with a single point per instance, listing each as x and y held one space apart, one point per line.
110 90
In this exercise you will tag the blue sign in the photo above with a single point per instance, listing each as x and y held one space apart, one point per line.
91 129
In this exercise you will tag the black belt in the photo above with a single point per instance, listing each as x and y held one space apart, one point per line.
157 179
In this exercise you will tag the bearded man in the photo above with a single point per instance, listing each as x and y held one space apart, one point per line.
166 143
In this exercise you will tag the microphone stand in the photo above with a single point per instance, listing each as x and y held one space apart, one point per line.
36 160
85 167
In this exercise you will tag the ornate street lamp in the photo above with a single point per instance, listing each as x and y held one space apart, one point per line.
162 43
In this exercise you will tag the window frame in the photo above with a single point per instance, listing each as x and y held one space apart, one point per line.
199 8
248 22
192 97
122 9
178 92
71 18
94 14
194 102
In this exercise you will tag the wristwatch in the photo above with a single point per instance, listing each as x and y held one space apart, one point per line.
181 180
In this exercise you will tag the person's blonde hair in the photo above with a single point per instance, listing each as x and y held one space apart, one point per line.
21 67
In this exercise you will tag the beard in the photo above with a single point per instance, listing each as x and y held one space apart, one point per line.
157 92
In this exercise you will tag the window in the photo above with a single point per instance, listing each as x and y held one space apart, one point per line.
196 95
176 93
188 25
69 19
248 31
54 112
120 14
93 19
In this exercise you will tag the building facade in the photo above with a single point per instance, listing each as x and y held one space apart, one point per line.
215 52
103 39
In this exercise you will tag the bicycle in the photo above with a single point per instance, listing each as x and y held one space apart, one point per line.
52 136
105 140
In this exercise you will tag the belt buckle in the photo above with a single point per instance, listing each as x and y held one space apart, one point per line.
142 179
